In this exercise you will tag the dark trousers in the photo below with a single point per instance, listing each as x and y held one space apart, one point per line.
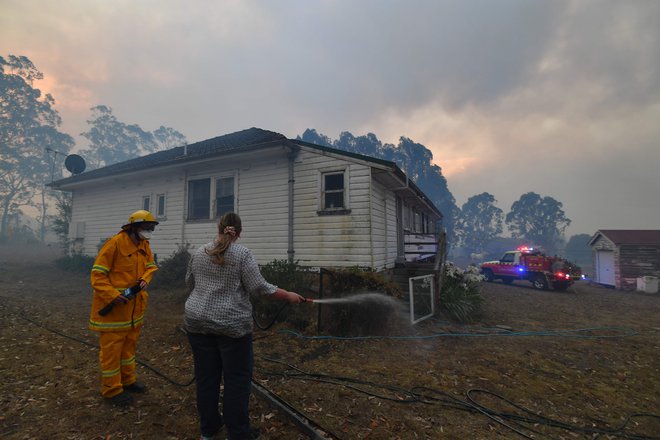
230 359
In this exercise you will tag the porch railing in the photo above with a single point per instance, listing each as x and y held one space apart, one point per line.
421 248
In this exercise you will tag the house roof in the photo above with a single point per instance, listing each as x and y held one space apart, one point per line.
385 162
241 140
629 236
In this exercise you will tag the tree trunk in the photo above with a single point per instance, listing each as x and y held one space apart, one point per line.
44 208
5 215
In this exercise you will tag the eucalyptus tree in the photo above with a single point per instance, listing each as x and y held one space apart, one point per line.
539 220
577 249
29 128
112 141
479 222
60 221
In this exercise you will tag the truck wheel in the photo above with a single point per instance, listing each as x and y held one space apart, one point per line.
540 283
488 276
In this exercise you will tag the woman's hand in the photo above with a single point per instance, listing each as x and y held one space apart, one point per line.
294 298
290 297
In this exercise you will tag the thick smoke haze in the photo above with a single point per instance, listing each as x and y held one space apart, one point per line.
557 97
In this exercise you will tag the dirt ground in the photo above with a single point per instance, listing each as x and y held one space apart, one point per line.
530 348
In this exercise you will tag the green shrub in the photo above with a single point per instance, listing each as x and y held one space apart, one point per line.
76 262
348 281
460 298
287 276
357 318
171 271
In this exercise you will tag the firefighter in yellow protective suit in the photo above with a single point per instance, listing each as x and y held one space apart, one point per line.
124 261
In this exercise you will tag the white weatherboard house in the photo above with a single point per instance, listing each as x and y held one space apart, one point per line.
316 205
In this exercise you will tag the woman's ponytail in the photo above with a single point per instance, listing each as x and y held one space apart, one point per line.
229 227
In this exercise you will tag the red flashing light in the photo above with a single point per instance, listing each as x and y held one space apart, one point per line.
525 249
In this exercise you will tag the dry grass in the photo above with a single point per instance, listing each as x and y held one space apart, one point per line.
49 388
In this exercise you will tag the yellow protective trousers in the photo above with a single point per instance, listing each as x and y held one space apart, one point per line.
117 356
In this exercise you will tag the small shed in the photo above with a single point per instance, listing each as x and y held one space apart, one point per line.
622 256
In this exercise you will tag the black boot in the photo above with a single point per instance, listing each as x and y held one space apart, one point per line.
121 400
136 387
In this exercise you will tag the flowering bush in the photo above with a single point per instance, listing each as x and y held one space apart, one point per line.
460 298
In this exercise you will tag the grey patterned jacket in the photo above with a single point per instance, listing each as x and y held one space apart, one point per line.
219 301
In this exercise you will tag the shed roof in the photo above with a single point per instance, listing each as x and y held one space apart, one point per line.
629 236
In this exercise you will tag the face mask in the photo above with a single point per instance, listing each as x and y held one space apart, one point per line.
144 235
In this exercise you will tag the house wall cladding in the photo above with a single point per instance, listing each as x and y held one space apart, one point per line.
261 189
261 201
383 231
366 236
105 207
331 240
636 261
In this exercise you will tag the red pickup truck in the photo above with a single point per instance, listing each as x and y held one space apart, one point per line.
527 263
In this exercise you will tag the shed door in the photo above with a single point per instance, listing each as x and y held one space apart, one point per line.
605 267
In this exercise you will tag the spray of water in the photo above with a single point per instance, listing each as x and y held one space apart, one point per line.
381 314
361 298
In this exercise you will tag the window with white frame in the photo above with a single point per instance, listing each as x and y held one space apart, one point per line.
146 202
210 197
333 190
224 196
160 205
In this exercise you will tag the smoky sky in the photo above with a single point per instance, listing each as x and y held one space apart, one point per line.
511 96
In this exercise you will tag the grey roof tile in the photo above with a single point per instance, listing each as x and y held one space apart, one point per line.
240 140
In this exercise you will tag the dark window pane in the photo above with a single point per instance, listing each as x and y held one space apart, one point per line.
334 182
199 194
161 206
224 196
224 205
334 200
146 203
224 187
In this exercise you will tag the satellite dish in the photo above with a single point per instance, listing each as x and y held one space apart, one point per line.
74 163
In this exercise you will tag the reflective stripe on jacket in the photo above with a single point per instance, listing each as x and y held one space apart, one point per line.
120 264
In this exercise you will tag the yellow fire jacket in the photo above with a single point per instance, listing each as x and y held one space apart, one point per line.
120 264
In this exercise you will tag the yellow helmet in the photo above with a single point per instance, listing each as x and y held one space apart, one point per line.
140 216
